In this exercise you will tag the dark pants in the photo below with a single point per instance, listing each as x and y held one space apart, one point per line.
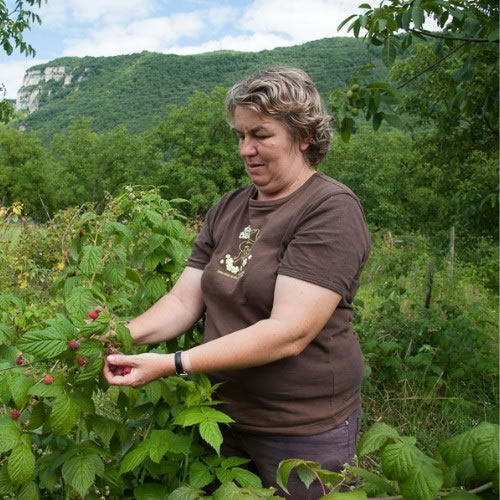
332 449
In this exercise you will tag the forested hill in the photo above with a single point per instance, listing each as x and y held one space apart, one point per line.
132 89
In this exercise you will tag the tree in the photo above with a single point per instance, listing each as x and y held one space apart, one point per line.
465 48
12 25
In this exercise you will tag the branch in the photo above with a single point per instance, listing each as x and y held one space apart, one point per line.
433 65
460 39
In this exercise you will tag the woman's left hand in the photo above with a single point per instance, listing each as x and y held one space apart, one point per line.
137 370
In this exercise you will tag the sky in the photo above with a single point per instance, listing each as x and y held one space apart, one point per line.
114 27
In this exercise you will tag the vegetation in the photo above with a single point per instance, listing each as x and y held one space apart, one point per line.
131 90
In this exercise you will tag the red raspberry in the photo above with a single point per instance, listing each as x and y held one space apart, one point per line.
48 379
126 370
81 233
94 314
20 360
14 414
73 344
112 350
81 361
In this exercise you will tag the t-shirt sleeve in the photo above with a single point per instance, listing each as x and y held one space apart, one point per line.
330 246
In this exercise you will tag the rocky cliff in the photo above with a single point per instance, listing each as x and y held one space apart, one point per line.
40 84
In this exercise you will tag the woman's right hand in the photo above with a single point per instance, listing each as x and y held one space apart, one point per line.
138 369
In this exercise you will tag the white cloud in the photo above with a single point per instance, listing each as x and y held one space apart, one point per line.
110 11
12 74
300 20
149 34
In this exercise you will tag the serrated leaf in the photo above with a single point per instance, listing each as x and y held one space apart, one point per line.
224 475
47 390
155 287
29 491
79 472
199 414
37 417
10 434
226 463
103 427
200 475
485 454
373 484
398 460
350 495
151 491
80 302
21 462
458 448
306 474
90 371
376 437
64 415
6 485
6 332
90 347
123 336
84 401
285 467
423 483
153 391
186 493
19 388
246 478
133 459
115 273
91 259
47 343
211 433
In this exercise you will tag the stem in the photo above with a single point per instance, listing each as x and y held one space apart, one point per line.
432 66
443 37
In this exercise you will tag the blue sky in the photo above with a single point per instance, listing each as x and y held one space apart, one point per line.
114 27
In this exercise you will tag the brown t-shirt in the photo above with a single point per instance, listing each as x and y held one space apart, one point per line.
317 234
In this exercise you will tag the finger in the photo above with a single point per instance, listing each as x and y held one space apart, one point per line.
120 359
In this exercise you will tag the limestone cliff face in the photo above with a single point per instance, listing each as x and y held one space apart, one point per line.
35 85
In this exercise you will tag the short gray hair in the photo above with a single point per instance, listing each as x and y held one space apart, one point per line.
289 95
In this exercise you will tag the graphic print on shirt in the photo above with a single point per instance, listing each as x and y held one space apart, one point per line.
234 266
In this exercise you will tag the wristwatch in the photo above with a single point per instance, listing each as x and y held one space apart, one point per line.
179 369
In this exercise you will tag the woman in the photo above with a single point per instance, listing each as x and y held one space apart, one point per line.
274 270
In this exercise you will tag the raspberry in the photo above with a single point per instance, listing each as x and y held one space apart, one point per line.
94 314
126 370
14 414
112 350
48 379
81 361
73 344
81 233
20 360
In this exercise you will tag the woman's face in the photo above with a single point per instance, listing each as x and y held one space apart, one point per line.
274 162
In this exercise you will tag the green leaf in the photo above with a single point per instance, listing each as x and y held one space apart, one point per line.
115 273
458 448
47 343
398 460
90 347
306 474
199 414
90 371
246 478
423 483
21 462
133 459
10 433
351 495
226 463
389 53
123 336
285 467
37 417
376 437
91 258
6 485
29 491
153 391
346 128
19 388
103 427
80 302
187 493
200 475
373 484
211 433
155 287
64 415
151 491
485 454
79 472
47 390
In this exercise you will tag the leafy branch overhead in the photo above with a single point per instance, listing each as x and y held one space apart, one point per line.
463 43
13 23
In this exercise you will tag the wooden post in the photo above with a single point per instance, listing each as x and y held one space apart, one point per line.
452 250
